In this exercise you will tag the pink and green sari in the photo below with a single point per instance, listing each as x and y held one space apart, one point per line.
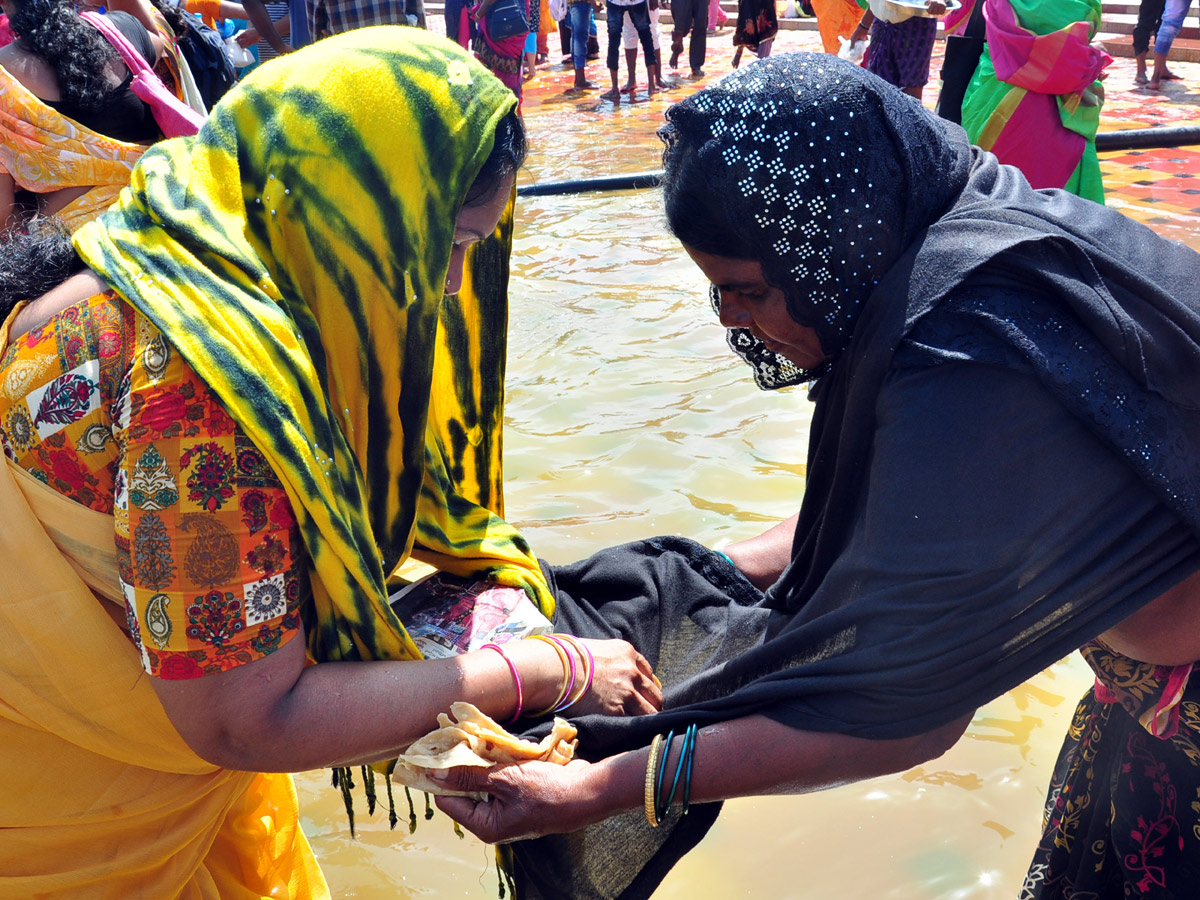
1035 97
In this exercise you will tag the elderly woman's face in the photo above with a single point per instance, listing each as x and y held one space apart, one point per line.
747 301
474 223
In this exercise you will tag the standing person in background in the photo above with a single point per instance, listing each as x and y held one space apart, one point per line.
460 27
756 28
281 18
836 19
717 17
901 42
1173 15
503 56
638 12
535 12
1035 98
546 26
1150 14
298 30
689 16
629 39
575 29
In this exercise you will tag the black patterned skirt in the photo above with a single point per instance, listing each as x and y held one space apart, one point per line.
1122 815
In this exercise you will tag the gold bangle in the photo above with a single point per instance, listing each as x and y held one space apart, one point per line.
585 680
562 657
651 771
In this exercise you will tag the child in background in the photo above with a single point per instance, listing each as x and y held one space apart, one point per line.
629 39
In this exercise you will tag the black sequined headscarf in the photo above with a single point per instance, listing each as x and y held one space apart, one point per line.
826 176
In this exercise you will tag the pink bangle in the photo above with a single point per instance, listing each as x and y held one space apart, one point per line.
516 677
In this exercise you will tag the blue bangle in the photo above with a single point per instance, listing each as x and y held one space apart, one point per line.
687 779
725 556
684 763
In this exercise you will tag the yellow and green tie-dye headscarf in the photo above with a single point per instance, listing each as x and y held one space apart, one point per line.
295 252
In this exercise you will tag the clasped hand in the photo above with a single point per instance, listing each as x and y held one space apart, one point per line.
525 800
536 798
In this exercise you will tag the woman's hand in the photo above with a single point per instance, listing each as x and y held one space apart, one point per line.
623 683
527 800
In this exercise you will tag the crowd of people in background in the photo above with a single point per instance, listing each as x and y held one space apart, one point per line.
892 38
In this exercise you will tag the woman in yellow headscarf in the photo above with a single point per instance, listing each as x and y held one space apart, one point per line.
269 387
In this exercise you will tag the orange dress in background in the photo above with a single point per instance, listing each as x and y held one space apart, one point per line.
836 18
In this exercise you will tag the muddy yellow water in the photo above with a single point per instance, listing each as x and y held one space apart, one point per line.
628 417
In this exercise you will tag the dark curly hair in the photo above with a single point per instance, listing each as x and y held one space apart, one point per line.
33 260
79 55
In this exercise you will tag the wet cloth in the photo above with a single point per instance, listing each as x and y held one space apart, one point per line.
1122 816
1103 356
302 278
899 52
45 151
91 769
756 23
1035 98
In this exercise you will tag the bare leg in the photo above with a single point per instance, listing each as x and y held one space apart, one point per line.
915 91
631 60
663 84
652 79
676 48
737 56
1160 71
614 93
1141 77
581 82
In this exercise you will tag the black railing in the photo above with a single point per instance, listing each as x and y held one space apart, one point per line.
1108 142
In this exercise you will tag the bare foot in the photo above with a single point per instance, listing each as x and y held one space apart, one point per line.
613 95
1141 78
664 85
697 73
628 87
584 86
1154 84
1168 75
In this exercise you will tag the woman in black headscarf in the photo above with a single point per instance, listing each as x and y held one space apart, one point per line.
1004 466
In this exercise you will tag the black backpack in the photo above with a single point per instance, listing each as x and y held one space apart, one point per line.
206 57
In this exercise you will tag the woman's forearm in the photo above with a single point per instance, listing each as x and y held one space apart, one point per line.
278 715
756 755
744 757
762 559
256 10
